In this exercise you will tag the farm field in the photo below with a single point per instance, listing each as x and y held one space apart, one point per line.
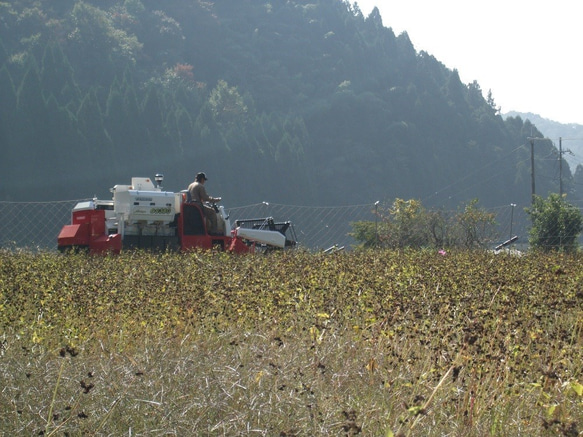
373 343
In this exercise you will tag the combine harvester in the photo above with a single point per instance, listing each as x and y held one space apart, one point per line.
142 216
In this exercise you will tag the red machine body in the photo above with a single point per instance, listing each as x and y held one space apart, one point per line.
87 232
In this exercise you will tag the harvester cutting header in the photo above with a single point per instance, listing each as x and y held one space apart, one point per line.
142 215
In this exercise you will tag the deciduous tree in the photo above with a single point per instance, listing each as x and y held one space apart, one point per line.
556 224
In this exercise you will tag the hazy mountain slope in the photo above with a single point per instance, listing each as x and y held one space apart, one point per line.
290 102
571 135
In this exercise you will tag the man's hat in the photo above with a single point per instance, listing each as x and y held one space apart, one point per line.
200 176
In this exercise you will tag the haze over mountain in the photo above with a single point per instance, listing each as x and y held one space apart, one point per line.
570 135
288 102
567 138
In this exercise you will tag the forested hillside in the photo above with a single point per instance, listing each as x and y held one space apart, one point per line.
292 102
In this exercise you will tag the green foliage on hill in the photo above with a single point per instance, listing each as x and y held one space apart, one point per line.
295 102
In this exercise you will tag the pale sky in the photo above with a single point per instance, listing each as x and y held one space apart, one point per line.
528 53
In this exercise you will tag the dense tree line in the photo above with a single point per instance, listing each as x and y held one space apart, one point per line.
282 101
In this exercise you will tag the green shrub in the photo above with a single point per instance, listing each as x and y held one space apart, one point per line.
556 224
407 224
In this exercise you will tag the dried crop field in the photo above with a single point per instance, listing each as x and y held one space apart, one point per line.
375 343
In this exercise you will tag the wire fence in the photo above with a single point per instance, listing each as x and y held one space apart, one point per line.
36 225
33 225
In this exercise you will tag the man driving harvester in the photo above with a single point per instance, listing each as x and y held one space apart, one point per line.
198 195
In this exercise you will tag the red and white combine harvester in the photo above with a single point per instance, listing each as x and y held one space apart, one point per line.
142 215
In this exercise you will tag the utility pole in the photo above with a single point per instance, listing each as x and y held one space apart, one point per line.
561 151
561 166
376 223
512 205
532 170
532 140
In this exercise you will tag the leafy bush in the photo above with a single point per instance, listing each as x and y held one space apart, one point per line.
408 224
556 224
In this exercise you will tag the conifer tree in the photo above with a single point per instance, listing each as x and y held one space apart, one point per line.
114 121
134 131
151 116
57 76
91 128
8 150
29 120
3 53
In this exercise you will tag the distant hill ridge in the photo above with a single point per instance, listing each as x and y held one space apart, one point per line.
570 133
